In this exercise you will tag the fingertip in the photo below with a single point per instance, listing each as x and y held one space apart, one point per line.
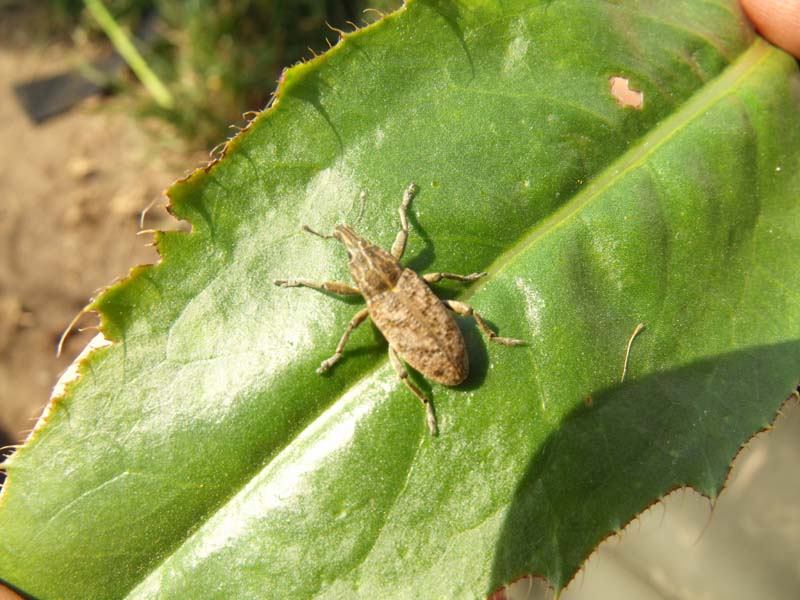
778 21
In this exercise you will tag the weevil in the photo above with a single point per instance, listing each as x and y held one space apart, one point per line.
415 321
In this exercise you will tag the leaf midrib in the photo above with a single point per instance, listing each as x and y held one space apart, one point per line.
695 106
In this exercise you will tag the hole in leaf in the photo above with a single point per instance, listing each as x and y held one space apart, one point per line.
624 94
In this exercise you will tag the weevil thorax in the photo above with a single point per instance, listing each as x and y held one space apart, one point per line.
373 269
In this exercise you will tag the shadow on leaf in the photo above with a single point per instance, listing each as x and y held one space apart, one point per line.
634 443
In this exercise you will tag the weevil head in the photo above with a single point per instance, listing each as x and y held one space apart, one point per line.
348 237
373 269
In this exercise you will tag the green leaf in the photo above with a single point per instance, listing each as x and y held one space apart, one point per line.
201 456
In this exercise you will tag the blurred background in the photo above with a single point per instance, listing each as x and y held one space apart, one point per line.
93 131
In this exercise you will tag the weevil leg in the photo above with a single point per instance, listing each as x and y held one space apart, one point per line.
434 277
334 287
402 373
399 245
466 310
357 320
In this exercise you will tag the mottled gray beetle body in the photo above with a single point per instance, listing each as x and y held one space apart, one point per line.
413 319
405 310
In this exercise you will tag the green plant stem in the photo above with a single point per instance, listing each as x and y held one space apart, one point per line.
128 51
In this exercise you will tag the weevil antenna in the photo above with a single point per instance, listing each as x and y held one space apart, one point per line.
308 229
361 210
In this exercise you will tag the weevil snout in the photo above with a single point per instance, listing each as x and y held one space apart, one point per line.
344 233
348 237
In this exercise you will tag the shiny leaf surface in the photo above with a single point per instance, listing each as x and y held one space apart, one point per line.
201 456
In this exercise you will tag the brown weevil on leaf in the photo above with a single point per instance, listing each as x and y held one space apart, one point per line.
414 321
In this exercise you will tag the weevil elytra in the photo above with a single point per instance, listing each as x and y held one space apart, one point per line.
414 321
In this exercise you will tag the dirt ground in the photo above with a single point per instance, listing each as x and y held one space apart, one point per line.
71 193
